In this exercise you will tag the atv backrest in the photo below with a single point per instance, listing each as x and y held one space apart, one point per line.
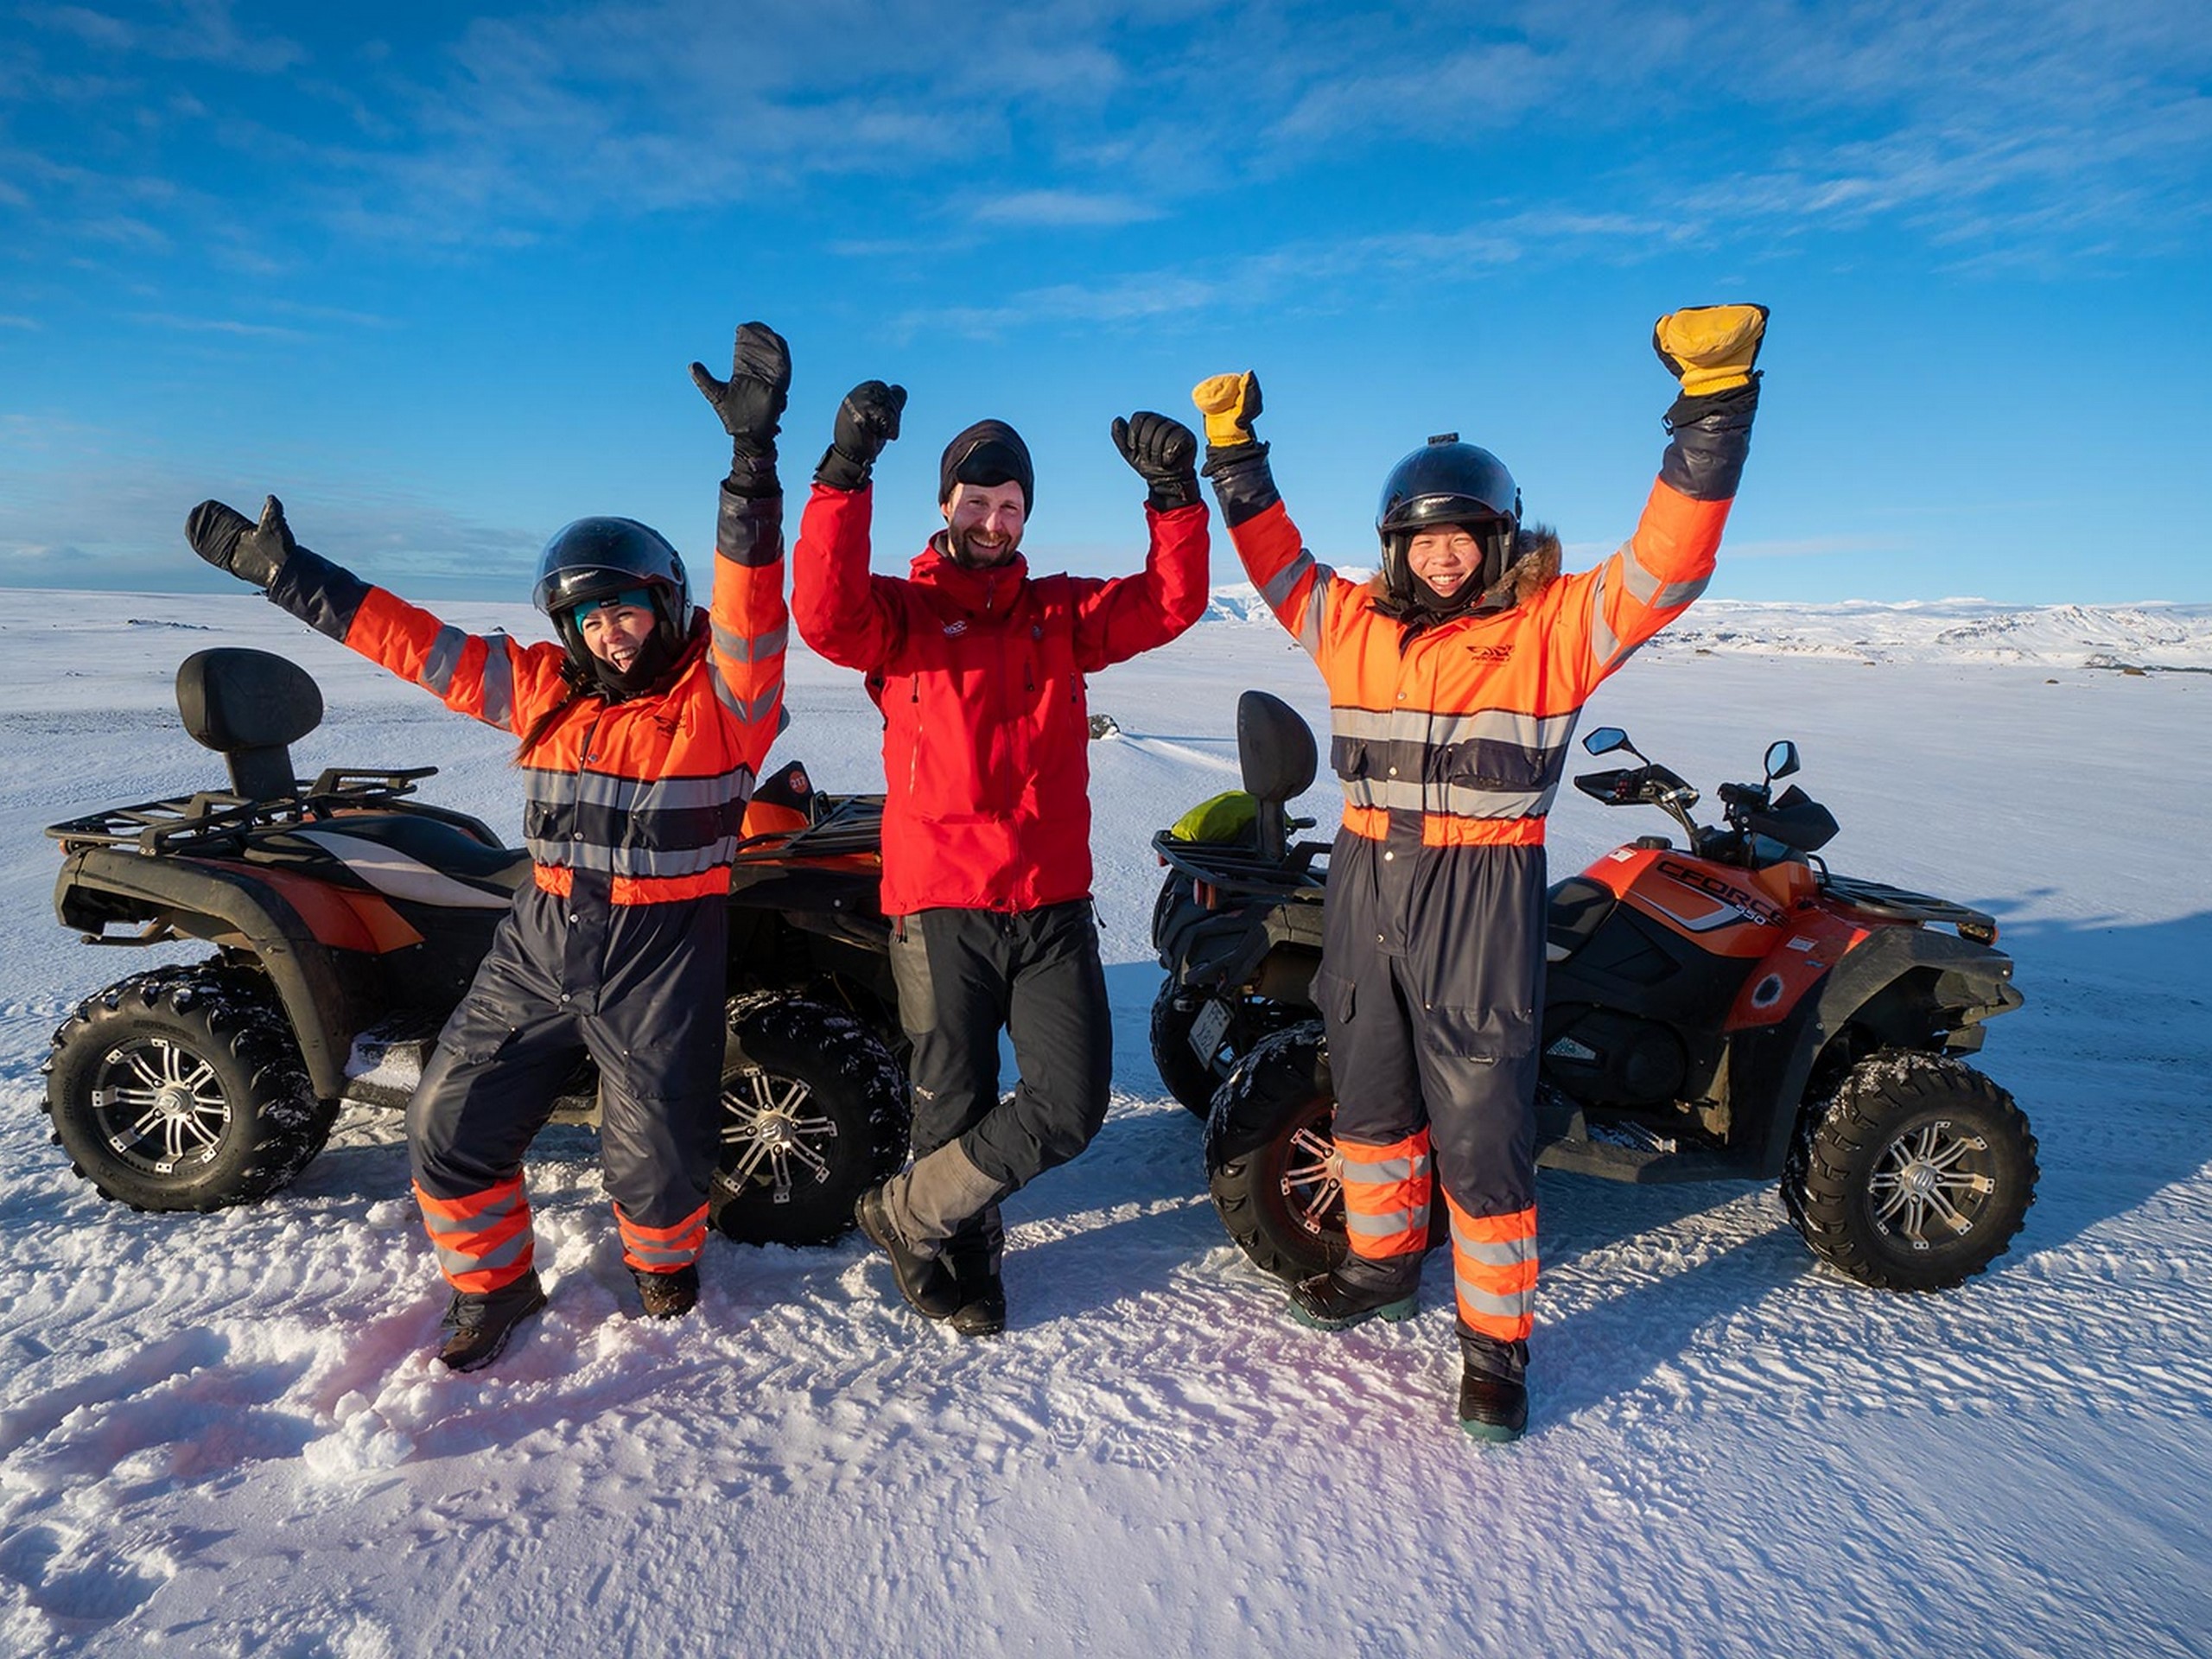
1275 750
248 706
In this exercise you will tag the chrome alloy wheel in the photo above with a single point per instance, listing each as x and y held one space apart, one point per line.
770 1136
1931 1184
1313 1181
159 1104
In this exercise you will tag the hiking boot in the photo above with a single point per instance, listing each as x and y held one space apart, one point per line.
1493 1390
1327 1303
981 1295
922 1280
668 1295
481 1322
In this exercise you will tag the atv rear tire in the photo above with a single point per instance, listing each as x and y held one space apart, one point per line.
182 1088
1270 1162
814 1112
1914 1175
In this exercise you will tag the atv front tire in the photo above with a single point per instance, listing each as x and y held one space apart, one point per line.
182 1088
1270 1162
814 1112
1914 1175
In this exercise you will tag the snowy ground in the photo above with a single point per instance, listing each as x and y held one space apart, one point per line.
219 1434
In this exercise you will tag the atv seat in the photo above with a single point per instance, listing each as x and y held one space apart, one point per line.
1577 908
249 707
423 860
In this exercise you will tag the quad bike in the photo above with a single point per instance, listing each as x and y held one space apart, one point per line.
1728 1009
348 918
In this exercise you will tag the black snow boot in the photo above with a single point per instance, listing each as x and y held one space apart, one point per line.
924 1282
972 1256
1493 1388
668 1295
481 1322
1332 1301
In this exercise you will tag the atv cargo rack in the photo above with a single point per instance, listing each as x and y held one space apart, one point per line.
1901 904
215 819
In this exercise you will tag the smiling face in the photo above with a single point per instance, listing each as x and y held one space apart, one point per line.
985 522
615 631
1445 556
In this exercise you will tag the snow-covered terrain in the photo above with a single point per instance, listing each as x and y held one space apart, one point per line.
219 1434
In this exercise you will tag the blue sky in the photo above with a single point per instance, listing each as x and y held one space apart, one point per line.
434 275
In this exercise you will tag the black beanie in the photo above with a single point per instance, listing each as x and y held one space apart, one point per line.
989 452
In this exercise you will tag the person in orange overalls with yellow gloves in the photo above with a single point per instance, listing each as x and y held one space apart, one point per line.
641 734
1455 680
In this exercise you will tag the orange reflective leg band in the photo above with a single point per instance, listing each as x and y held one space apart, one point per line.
1386 1195
483 1240
662 1249
1494 1262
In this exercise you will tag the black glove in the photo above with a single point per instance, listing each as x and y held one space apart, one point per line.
751 402
1165 454
867 420
230 541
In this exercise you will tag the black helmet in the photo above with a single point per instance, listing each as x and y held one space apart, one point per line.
599 558
1447 482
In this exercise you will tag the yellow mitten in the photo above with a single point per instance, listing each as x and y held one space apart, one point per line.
1228 402
1709 348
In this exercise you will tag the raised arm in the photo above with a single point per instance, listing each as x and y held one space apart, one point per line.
1116 620
1294 585
751 626
1665 565
842 611
486 677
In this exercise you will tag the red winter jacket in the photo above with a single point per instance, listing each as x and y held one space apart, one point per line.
980 676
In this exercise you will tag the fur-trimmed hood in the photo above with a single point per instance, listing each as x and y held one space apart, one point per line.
1536 557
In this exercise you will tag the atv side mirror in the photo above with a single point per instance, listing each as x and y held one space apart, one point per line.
1605 739
1781 759
1275 752
248 706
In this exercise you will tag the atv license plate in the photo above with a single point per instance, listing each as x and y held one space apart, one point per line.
1208 1029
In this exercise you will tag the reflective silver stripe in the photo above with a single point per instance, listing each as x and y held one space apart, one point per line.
443 658
1375 1172
676 1255
750 648
1398 1221
498 682
751 713
638 861
1317 604
1495 1252
1419 726
552 788
1518 1305
1411 795
515 1249
1276 589
1645 587
1605 644
554 855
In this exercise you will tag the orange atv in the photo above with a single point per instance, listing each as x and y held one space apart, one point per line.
346 919
1727 1008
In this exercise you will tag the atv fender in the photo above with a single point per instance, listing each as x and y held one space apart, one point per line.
99 885
1972 982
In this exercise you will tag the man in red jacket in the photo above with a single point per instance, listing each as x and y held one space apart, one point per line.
978 668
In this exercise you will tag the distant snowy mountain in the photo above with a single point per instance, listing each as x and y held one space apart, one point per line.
2157 636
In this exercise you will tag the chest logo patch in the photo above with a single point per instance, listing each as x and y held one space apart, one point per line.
1489 653
954 630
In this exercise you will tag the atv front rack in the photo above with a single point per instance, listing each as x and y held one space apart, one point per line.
846 824
216 819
